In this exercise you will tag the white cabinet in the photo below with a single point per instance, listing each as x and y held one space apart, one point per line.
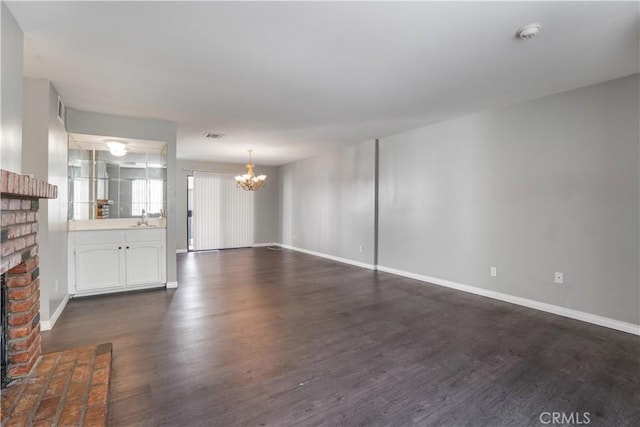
98 266
144 263
116 260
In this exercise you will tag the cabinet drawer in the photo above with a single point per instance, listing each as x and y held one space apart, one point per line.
81 238
145 235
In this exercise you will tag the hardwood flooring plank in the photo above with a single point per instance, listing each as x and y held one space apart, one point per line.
278 338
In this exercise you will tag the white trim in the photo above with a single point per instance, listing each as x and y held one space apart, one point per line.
119 289
47 325
181 251
264 245
331 257
542 306
172 285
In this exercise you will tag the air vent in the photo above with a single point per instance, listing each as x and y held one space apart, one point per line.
213 135
61 110
529 31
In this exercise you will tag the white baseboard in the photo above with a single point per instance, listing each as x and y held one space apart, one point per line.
263 245
118 290
172 285
549 308
331 257
47 325
181 251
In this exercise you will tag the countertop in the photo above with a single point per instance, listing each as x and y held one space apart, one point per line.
116 224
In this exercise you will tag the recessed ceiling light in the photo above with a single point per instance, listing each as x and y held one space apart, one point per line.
529 31
213 135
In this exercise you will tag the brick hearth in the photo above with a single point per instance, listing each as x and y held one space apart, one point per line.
19 206
69 388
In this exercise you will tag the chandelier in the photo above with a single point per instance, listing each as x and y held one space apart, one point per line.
249 181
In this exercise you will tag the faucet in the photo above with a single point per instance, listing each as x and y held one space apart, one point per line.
143 218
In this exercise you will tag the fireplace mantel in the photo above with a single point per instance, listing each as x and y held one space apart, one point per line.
16 185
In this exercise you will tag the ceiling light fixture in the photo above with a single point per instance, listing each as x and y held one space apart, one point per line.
249 181
117 148
529 31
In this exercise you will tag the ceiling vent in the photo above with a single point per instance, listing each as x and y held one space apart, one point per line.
213 135
528 31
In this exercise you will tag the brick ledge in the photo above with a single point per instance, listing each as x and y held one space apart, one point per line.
15 185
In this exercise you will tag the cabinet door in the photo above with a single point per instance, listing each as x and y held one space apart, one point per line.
98 266
145 263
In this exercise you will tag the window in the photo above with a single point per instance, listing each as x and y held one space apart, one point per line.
147 194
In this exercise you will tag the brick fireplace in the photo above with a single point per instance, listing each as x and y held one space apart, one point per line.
19 266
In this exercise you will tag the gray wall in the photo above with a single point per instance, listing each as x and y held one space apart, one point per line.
35 135
11 50
91 123
57 208
543 186
266 199
44 155
45 148
327 203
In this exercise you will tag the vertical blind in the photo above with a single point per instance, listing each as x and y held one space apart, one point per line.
222 213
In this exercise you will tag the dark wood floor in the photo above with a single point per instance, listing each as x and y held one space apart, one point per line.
256 337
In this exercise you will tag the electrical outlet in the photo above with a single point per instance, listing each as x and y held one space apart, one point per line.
493 271
56 283
559 277
361 248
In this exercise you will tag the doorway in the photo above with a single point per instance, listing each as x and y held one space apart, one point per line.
190 213
219 215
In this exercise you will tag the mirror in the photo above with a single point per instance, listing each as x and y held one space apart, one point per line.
109 180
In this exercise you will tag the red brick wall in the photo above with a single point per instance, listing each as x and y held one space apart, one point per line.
19 219
19 231
20 261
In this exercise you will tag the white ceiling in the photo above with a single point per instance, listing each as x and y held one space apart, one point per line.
292 79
